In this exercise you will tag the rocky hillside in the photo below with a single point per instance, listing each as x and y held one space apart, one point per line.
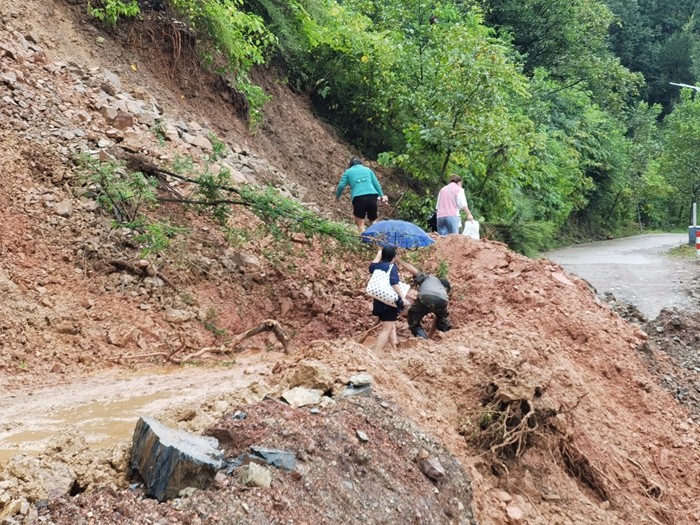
542 406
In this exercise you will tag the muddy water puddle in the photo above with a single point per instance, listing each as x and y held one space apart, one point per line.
105 409
103 424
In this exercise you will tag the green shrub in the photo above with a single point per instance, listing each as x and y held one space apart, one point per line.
156 237
110 11
118 191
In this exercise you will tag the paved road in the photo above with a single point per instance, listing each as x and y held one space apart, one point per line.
636 270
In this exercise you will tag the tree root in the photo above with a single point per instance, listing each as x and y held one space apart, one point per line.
516 436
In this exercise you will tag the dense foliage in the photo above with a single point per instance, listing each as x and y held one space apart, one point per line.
558 114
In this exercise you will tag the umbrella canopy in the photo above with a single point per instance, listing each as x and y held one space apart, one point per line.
401 234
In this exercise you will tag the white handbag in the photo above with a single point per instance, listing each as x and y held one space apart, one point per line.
471 229
380 289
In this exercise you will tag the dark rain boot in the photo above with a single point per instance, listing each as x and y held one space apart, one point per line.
419 332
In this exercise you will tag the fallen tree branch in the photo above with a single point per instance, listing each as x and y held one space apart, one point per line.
203 203
269 325
139 163
364 335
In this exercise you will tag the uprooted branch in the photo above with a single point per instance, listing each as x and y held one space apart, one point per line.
364 335
269 325
140 163
515 437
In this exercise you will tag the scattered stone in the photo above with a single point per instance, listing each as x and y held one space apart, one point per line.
133 141
327 402
310 374
432 468
109 113
245 260
202 142
503 496
64 209
123 120
120 335
360 380
355 391
112 80
171 133
277 458
299 397
515 514
362 436
175 316
254 475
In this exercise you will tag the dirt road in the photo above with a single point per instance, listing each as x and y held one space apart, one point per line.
636 270
106 407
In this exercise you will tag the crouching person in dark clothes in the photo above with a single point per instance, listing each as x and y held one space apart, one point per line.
432 298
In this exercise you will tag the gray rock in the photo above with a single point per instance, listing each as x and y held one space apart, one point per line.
133 141
170 460
109 113
171 133
246 260
432 468
175 316
202 142
112 79
362 379
277 458
299 397
355 391
64 209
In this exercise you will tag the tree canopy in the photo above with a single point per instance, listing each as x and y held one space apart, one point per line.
558 114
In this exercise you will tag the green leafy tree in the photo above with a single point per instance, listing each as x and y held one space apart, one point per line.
659 40
649 190
679 163
568 38
231 41
110 11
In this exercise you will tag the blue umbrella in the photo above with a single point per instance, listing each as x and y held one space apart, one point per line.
401 234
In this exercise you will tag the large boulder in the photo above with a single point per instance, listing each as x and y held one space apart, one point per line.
169 460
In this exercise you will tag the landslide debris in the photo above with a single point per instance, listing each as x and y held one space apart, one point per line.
339 478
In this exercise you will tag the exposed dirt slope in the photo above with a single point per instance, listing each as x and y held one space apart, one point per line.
541 396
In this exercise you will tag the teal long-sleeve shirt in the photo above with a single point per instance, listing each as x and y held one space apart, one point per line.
362 181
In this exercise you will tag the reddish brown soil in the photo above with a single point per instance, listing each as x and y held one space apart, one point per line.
541 403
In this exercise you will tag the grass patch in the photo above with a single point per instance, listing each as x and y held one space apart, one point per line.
684 251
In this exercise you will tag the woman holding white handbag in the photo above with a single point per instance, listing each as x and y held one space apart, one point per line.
387 314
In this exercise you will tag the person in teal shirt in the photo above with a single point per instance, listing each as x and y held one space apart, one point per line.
365 192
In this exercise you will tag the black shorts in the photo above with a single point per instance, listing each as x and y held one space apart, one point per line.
390 314
365 206
384 312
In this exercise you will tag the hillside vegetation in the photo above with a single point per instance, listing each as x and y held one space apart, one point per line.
558 115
